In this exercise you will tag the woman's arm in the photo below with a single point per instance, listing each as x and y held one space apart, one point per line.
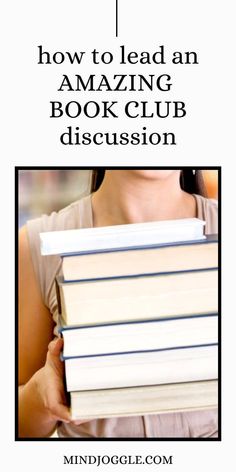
41 392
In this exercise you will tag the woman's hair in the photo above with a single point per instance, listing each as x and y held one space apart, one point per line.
97 178
191 181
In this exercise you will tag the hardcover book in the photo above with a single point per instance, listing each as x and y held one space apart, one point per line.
167 257
138 297
148 400
129 370
138 311
118 236
142 336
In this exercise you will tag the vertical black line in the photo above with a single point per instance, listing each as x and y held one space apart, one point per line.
16 212
220 301
117 18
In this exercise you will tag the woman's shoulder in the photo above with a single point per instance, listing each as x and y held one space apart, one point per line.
207 209
76 215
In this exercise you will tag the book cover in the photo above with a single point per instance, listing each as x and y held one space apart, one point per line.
165 257
140 336
121 236
132 369
160 399
134 298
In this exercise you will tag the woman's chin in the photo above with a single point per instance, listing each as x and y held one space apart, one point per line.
154 174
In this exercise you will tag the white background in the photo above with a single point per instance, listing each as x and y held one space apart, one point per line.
30 138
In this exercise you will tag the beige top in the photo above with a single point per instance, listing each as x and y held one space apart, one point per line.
172 425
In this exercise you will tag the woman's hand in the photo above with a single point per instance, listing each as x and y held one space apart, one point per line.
42 400
50 386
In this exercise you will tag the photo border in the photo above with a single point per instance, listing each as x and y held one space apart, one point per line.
16 171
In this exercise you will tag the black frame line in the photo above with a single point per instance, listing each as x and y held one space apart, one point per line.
124 439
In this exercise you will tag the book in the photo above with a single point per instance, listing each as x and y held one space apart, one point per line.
147 400
138 312
149 368
121 236
141 336
161 258
138 297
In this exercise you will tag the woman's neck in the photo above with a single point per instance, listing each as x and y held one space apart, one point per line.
136 199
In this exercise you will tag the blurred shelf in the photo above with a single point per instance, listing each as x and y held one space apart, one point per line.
211 181
44 191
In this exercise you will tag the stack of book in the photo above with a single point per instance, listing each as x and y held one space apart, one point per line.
138 310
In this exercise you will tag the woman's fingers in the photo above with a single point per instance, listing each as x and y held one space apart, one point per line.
52 385
53 357
55 398
55 346
55 403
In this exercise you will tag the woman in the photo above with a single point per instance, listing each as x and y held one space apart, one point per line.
124 196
